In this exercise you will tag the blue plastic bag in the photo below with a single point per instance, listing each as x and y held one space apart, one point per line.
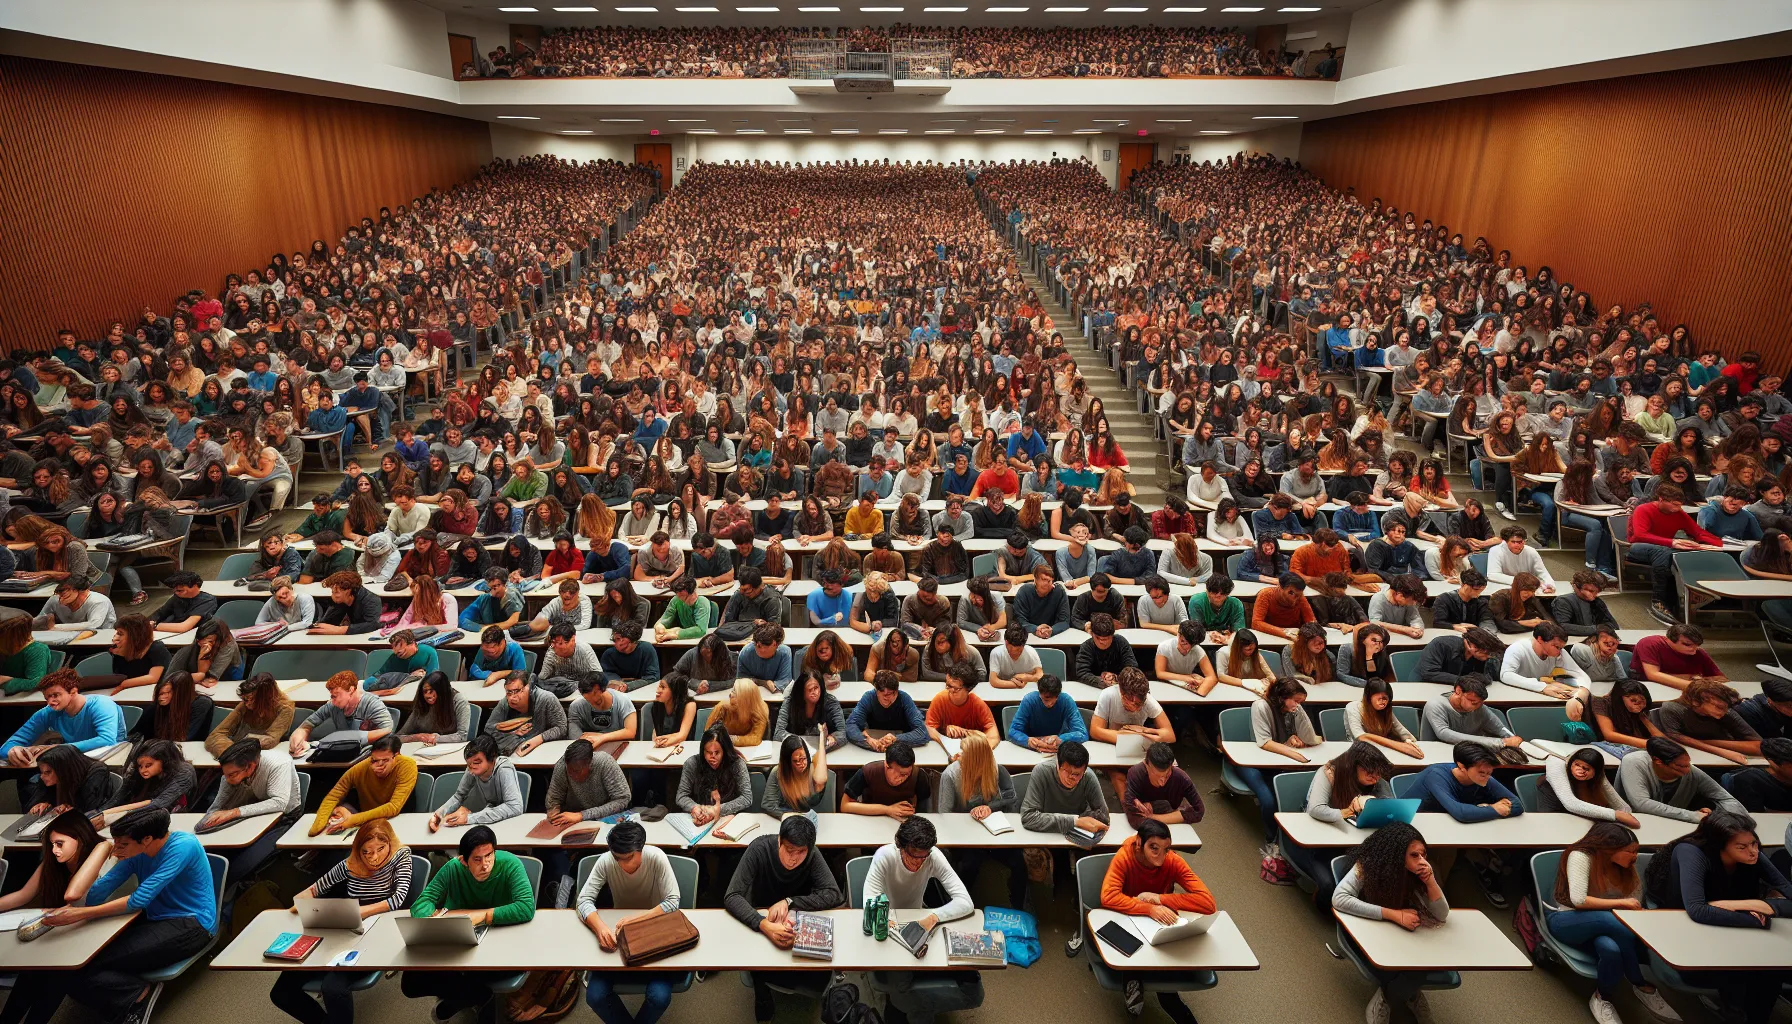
1020 932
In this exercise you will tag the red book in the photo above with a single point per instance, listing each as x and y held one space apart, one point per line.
291 947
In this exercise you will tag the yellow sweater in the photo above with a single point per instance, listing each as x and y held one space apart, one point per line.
859 521
376 797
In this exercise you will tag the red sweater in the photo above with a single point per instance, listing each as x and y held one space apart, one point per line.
1650 525
1129 874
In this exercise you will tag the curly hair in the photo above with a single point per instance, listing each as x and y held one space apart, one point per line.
1381 859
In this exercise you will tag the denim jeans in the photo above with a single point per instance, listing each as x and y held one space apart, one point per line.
1266 798
600 994
1546 500
1599 541
1601 933
1661 581
943 992
338 1005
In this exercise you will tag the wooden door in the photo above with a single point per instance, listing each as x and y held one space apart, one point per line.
659 154
462 50
1134 156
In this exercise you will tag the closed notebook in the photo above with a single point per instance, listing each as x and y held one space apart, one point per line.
1085 839
814 935
291 947
546 829
997 823
976 949
737 827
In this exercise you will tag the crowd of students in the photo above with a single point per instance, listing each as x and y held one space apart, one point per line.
1109 51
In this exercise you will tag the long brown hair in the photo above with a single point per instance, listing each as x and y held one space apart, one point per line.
378 828
173 719
426 602
261 699
57 561
54 876
1380 722
1603 839
137 633
1342 770
15 634
1305 661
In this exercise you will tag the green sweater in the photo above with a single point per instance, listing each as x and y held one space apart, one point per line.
526 490
1229 615
27 668
506 891
691 620
426 659
314 523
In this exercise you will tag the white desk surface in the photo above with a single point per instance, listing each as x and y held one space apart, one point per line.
1250 755
1467 941
726 945
193 750
237 834
1690 946
101 639
1533 829
63 949
1223 948
1754 590
833 830
931 755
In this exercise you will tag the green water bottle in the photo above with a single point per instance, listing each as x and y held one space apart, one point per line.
882 931
868 919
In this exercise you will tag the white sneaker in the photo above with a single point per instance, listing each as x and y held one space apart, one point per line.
1603 1011
1657 1006
1500 507
1377 1011
1421 1009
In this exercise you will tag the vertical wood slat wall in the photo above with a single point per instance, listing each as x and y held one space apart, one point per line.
121 189
1673 189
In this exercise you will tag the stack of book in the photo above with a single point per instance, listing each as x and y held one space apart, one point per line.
814 935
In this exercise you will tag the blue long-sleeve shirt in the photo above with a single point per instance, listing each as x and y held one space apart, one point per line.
1248 568
1130 565
1363 527
614 564
98 725
904 715
777 669
512 659
1265 524
174 883
1032 611
326 421
1741 526
1441 792
1033 719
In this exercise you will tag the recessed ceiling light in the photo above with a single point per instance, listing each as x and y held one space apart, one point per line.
1126 10
1297 10
843 131
518 10
945 10
581 131
1240 10
1006 10
880 10
749 131
686 120
620 120
819 10
696 10
1206 132
757 10
1065 10
1108 120
1184 10
940 131
637 10
998 120
799 131
517 117
575 10
892 131
1087 131
702 131
990 131
1276 117
1037 131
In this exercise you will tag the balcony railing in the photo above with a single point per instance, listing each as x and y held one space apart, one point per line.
906 59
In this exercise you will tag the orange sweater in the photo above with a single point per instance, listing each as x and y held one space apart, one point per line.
973 714
1311 562
1129 874
1272 609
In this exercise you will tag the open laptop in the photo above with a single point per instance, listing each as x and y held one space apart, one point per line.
453 930
1385 811
342 914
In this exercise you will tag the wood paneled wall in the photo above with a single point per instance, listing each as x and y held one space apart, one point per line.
121 190
1673 189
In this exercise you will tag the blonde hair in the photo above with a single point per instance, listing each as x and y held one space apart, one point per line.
876 585
378 828
743 708
976 769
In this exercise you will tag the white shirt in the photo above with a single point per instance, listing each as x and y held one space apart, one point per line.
888 876
1502 565
1525 669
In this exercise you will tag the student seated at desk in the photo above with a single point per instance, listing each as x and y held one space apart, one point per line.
1703 717
1391 879
501 605
1393 555
71 856
492 778
1365 657
377 875
527 717
1461 716
157 775
890 788
1280 725
1142 880
1660 779
586 786
1372 719
1100 598
600 715
1101 658
714 781
256 782
1466 607
1541 666
67 780
187 608
352 713
1263 563
1467 791
178 915
1128 707
1594 877
887 708
1578 786
1597 656
567 661
486 884
800 781
1306 656
1155 789
1718 876
1769 788
1062 795
87 722
1675 658
1769 712
76 606
830 605
909 872
376 787
1727 517
1043 608
1339 790
263 713
409 663
776 875
1282 609
955 711
1399 607
639 877
1046 719
439 713
807 708
1183 661
628 660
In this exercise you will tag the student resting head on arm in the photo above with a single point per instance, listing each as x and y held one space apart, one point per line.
1391 879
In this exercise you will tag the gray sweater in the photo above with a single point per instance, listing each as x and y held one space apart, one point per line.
369 715
1049 807
273 789
547 720
1680 799
604 792
489 800
1319 796
1441 721
947 798
688 798
1346 899
582 663
651 885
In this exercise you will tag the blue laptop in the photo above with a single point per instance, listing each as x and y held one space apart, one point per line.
1385 811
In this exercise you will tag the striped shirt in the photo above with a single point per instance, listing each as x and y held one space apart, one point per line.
392 882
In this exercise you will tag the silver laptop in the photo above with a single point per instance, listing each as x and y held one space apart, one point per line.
1186 926
454 930
342 914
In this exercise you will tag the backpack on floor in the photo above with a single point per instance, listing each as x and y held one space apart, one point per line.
1530 932
545 996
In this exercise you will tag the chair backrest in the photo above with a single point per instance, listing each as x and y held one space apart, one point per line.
237 566
1331 726
133 713
984 564
1543 874
759 781
1008 712
1624 662
1090 871
219 714
304 788
701 723
422 799
310 664
1405 783
1526 786
532 868
1479 561
76 523
1694 566
856 870
1021 781
684 870
238 614
95 664
1291 790
1053 661
1620 527
419 877
1232 563
100 560
450 662
1235 725
1537 723
1408 716
1406 665
448 782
